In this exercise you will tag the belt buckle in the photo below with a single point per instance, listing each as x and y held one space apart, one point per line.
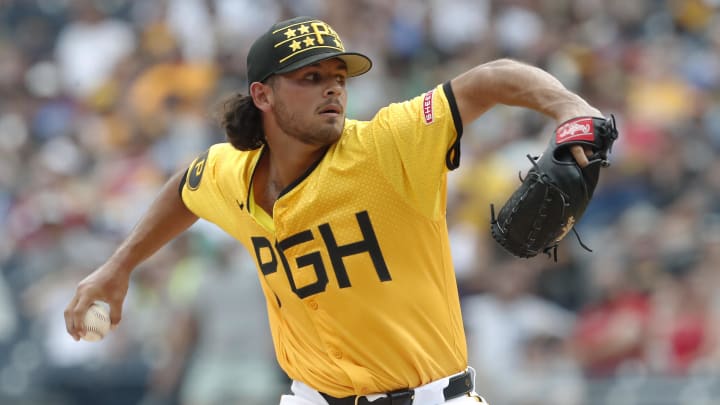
401 397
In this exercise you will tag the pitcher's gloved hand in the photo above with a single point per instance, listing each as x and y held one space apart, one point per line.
556 190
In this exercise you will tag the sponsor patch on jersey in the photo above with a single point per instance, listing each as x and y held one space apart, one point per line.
580 129
196 171
428 107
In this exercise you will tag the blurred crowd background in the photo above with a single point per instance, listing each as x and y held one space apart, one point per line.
101 100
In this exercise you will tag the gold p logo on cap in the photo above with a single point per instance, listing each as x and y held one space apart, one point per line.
301 37
298 42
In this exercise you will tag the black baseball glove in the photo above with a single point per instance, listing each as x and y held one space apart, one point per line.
555 192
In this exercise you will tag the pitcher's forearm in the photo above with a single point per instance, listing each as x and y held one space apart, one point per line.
166 218
514 83
531 87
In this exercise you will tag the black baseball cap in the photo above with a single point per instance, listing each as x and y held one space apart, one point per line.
291 44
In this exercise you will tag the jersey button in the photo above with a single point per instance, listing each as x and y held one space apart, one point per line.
313 305
337 354
364 390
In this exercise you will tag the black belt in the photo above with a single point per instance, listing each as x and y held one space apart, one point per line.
459 385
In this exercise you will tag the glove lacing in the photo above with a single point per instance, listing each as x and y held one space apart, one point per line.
545 179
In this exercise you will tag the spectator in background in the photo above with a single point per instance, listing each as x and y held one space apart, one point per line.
8 320
506 327
684 325
89 47
229 364
548 374
611 330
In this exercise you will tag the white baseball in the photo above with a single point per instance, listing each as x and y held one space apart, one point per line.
97 323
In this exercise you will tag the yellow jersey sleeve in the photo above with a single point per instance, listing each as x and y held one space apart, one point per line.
216 184
201 193
416 143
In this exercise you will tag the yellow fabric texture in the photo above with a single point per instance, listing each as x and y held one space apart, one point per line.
357 273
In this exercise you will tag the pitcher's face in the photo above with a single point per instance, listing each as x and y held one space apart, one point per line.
309 103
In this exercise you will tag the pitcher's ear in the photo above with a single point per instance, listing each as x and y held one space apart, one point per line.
261 94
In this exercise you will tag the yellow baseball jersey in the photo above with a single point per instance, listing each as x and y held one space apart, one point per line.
354 261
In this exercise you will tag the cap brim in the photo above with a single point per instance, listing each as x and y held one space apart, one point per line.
356 63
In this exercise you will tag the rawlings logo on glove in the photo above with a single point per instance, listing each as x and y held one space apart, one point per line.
554 194
578 129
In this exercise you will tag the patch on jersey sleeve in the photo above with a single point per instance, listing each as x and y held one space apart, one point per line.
428 107
196 171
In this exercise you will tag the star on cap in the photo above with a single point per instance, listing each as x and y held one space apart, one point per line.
309 41
295 46
289 33
304 29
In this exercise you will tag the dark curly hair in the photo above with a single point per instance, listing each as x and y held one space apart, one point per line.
241 120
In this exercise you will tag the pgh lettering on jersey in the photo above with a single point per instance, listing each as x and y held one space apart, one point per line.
350 244
368 245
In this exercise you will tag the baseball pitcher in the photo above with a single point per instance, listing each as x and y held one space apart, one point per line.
345 218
